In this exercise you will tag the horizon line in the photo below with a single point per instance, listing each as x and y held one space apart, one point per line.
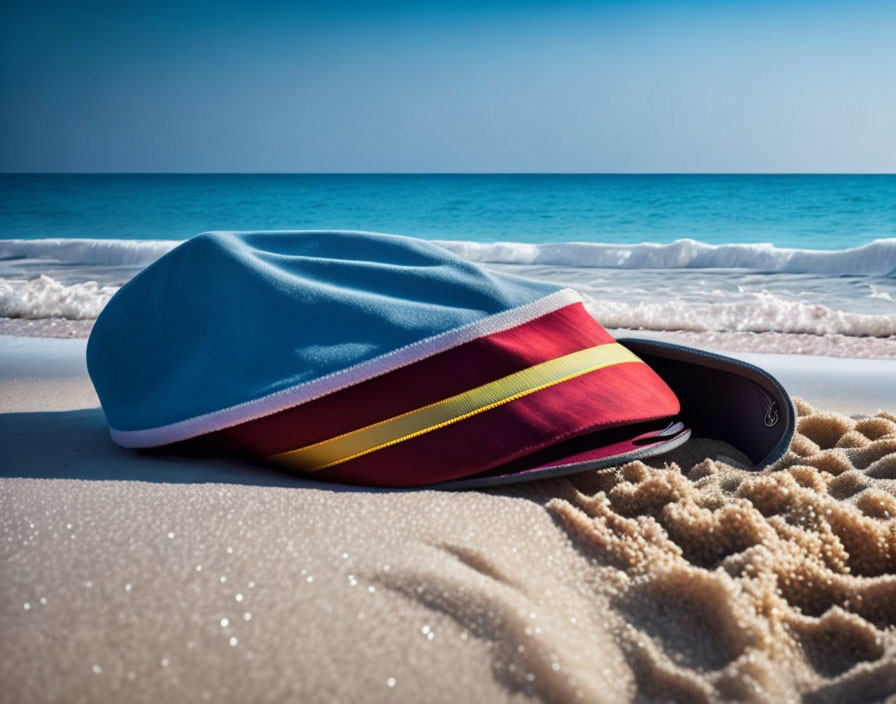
447 173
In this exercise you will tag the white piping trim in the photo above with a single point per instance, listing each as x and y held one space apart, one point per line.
310 390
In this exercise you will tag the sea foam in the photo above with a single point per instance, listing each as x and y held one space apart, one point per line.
44 297
761 313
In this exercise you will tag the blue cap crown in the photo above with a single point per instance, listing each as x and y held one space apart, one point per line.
228 319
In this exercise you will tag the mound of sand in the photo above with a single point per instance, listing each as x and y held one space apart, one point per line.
729 584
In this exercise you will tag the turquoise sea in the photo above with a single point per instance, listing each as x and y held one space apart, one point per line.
706 254
811 212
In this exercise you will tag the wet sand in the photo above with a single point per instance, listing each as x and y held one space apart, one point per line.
147 577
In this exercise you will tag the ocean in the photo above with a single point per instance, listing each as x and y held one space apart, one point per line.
805 255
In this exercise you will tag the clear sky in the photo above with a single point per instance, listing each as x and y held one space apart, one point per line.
663 86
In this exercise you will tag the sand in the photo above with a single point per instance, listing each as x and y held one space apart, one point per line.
143 577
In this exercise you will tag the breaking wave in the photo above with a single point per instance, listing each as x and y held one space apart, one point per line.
877 258
88 251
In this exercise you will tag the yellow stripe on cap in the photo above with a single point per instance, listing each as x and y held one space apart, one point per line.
356 443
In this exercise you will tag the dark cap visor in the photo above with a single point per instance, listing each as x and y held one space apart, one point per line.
721 398
724 399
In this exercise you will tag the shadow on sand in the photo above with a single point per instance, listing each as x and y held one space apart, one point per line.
76 445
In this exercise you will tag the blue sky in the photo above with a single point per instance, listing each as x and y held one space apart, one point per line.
726 86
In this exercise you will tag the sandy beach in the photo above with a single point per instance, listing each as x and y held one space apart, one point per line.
144 577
